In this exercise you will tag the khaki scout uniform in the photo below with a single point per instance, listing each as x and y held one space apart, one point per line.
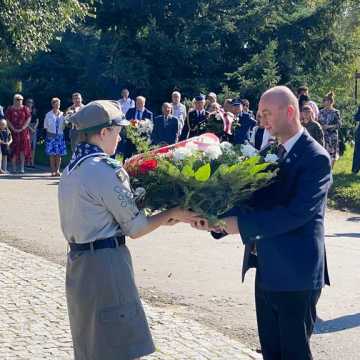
96 204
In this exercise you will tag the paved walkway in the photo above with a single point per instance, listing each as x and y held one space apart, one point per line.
34 324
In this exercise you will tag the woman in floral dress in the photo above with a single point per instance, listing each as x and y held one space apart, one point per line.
19 117
330 121
55 146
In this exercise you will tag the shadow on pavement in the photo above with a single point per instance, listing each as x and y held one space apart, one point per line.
54 183
350 235
354 219
28 176
341 323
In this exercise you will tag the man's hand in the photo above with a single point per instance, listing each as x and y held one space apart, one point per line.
200 223
177 215
230 225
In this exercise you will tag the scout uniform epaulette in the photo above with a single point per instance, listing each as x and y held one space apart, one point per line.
112 162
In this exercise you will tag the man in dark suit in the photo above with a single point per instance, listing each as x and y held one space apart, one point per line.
197 120
139 112
166 127
284 234
244 123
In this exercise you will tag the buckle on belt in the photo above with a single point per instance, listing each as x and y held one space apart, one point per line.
112 242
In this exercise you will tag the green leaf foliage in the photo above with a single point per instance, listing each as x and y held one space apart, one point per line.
203 173
210 189
28 26
239 48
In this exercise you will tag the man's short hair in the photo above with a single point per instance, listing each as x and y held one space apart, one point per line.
76 94
143 98
176 93
55 99
166 104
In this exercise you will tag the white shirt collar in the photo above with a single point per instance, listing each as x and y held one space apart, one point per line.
288 145
266 137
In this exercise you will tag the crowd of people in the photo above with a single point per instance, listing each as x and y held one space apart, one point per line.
233 121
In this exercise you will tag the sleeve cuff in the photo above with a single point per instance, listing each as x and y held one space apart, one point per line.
137 224
217 235
248 230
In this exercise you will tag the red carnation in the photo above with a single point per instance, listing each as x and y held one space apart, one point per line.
147 165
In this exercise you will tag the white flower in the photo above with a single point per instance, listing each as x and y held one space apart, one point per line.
213 152
248 150
192 147
145 126
226 146
182 153
271 158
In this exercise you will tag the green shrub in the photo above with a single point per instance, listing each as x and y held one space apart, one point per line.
345 192
42 159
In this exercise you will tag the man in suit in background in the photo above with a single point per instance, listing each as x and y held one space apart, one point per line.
139 112
197 120
244 123
166 127
284 233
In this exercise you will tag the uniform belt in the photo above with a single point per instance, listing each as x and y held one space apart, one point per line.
111 242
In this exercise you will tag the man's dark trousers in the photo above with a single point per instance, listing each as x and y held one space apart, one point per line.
285 322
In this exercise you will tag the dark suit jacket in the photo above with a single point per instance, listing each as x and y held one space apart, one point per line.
243 132
165 131
147 114
287 223
259 137
195 125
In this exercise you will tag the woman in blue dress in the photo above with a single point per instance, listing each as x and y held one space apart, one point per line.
55 146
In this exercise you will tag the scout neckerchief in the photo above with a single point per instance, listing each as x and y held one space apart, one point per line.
82 152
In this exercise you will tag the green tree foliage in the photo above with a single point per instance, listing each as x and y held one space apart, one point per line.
234 47
28 26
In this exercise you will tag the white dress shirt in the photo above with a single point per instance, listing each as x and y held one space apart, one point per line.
179 111
266 138
289 144
126 104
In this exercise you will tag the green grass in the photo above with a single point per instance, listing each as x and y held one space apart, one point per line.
42 159
345 192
